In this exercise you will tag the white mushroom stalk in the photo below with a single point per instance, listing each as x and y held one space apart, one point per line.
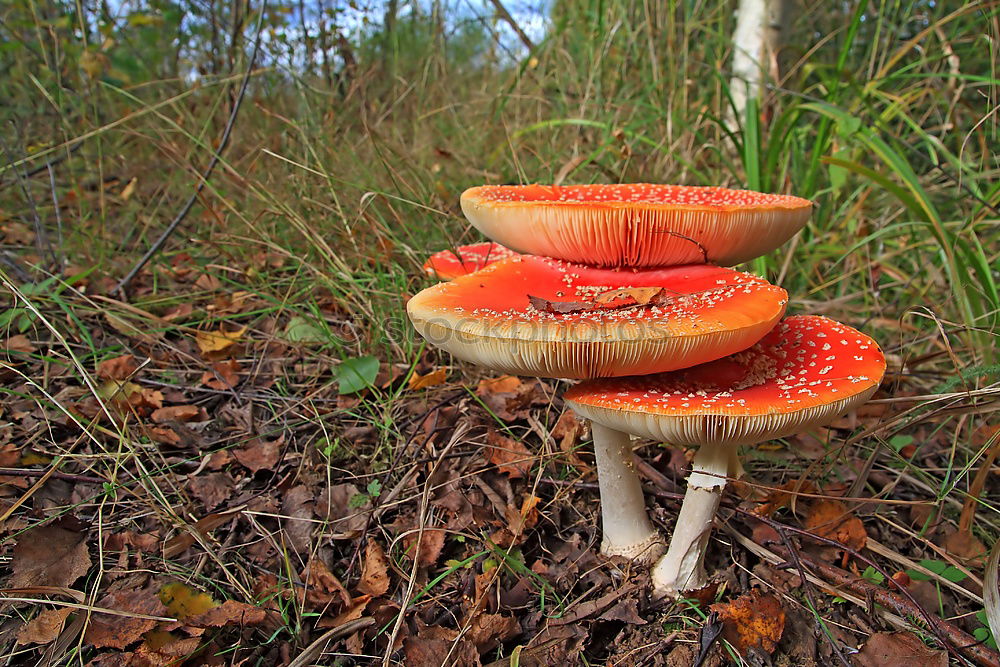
628 531
682 567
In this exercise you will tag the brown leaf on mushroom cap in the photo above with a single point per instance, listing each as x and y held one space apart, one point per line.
49 556
832 519
754 620
898 649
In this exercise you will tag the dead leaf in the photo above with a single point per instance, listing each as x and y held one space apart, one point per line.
375 573
118 368
431 543
832 519
223 376
432 643
431 379
965 545
781 496
129 189
297 514
511 457
19 343
355 609
345 508
208 282
753 620
501 385
45 627
178 413
214 342
323 588
898 649
114 631
259 454
212 489
487 630
49 556
229 612
636 295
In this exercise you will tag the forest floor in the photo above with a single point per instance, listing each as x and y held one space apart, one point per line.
201 479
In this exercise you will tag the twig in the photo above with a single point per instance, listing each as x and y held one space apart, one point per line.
65 476
203 180
509 20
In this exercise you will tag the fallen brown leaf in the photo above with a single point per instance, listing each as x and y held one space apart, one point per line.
753 620
212 488
297 514
431 379
179 413
259 454
113 631
375 573
19 343
223 376
965 545
431 543
511 457
45 627
898 649
323 588
49 556
229 612
832 519
118 368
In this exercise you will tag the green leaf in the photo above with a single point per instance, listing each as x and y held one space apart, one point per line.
356 374
357 500
374 488
301 330
897 442
872 575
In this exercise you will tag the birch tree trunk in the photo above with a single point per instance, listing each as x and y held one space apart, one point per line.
760 32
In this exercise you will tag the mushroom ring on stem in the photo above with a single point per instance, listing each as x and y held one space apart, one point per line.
806 372
537 316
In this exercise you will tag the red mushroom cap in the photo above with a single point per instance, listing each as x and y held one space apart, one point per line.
538 316
635 225
450 264
804 373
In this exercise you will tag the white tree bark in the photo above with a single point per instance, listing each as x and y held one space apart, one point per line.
759 34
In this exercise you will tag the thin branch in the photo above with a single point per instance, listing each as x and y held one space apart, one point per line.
203 180
509 20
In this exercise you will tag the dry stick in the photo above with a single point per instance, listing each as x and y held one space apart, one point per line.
203 181
65 476
505 15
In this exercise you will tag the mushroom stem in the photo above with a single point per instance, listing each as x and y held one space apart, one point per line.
681 568
627 529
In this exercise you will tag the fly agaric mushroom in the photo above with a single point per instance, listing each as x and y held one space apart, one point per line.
805 373
537 316
635 225
465 259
